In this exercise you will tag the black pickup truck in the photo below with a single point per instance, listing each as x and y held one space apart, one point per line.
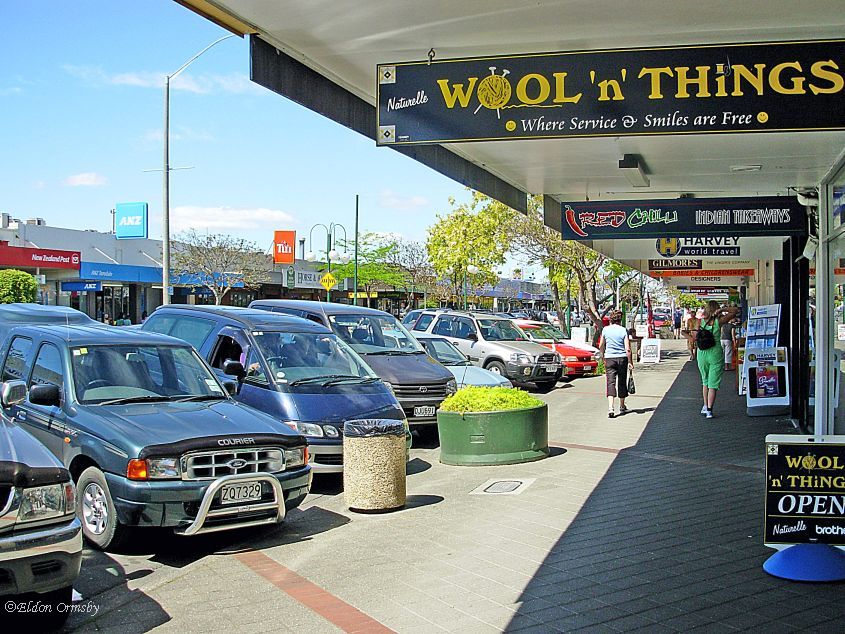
40 535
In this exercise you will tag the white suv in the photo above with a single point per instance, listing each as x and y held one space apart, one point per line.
494 343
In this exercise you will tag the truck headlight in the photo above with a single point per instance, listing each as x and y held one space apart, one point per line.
41 503
153 469
451 386
522 359
295 457
159 468
308 429
389 387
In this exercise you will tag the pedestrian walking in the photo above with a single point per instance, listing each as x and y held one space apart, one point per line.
689 330
728 343
676 322
711 357
615 347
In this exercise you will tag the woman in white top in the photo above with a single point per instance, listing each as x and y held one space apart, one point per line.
615 347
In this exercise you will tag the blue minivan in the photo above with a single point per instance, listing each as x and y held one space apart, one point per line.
296 370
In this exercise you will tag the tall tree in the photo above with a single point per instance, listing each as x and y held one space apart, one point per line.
472 234
412 261
219 262
376 262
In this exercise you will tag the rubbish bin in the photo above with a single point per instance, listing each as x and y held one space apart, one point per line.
374 464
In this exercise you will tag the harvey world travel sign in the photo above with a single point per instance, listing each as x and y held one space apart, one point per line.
761 87
683 218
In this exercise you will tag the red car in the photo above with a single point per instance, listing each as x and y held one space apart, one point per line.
578 359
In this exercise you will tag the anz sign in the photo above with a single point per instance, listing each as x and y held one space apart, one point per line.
130 220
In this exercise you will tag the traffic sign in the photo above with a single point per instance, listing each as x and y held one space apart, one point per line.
328 281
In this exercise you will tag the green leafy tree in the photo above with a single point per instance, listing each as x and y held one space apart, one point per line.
376 263
17 286
474 234
219 262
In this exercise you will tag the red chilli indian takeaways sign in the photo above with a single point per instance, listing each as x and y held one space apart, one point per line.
38 258
283 247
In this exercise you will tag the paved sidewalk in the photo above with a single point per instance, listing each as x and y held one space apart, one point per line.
651 520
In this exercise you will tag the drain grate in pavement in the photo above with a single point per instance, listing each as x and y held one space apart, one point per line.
503 487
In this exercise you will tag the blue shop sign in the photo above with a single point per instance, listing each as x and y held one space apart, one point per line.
119 272
130 220
93 287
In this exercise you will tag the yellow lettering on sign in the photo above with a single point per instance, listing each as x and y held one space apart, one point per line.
741 72
560 90
544 89
797 81
684 81
456 92
654 74
820 70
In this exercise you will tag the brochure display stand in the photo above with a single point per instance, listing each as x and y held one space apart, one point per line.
765 372
763 326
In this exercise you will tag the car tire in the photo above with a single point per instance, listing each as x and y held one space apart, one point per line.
97 513
496 367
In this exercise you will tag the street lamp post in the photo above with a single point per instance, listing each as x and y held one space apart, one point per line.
331 254
165 215
470 269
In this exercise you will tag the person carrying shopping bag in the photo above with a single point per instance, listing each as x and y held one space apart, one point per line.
615 346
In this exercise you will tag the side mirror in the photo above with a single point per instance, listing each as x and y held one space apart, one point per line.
12 393
233 368
47 395
231 387
472 336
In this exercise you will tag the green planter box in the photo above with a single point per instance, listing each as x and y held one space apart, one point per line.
491 438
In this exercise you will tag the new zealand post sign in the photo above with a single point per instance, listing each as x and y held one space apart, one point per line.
682 218
283 247
761 87
805 489
131 220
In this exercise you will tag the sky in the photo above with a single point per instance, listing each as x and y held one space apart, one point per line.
82 102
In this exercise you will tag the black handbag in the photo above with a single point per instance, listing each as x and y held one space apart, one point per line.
632 389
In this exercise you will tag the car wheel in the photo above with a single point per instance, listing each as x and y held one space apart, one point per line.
496 367
97 512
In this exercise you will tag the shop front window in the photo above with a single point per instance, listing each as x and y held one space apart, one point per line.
836 293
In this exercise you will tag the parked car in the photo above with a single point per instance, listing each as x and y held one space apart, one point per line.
297 371
456 362
40 535
149 434
495 344
578 359
419 382
411 316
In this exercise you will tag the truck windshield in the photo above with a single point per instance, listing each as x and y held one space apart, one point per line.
500 330
374 334
102 374
300 357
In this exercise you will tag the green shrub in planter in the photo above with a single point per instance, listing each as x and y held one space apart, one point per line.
489 399
489 426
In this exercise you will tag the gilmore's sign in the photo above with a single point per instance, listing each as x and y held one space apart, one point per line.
708 219
760 87
805 489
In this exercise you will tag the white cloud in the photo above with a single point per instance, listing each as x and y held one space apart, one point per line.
11 90
232 83
391 200
228 218
86 179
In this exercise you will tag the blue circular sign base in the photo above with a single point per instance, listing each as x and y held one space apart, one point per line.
807 562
